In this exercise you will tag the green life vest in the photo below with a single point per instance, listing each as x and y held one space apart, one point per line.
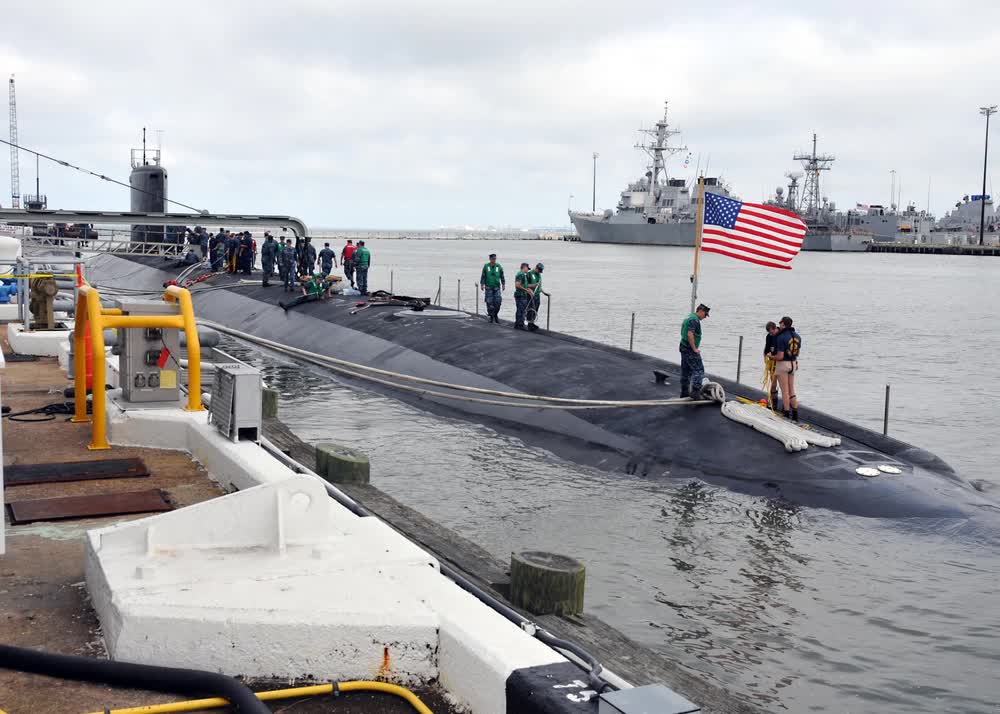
315 287
492 276
362 257
535 280
522 280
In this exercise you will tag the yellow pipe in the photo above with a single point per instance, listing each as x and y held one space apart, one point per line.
183 298
91 316
80 359
166 321
99 435
315 690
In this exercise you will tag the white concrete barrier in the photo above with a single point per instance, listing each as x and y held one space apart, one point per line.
43 343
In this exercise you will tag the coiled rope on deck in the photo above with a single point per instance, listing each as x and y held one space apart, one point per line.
365 372
790 434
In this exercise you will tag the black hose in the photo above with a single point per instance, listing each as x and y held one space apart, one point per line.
46 413
190 682
460 579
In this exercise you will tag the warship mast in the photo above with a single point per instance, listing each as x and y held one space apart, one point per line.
656 147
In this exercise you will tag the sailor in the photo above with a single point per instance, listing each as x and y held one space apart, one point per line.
232 247
268 252
692 368
523 295
347 260
362 261
203 241
307 259
772 378
327 259
218 254
493 284
246 253
288 266
190 258
535 280
787 345
316 288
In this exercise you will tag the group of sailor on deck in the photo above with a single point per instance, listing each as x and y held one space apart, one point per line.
527 292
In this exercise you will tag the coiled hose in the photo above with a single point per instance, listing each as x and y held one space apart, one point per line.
191 682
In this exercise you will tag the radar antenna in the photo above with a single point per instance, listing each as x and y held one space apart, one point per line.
813 163
656 147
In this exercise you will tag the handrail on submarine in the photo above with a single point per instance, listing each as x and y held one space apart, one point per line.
92 318
296 225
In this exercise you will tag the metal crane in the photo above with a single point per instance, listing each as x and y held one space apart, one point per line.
15 176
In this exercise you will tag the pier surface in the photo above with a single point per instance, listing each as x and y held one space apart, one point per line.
633 662
45 601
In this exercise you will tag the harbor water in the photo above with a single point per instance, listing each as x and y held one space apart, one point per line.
796 609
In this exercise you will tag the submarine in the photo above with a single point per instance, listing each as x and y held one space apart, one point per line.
866 474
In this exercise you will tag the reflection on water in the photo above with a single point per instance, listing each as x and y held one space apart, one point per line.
796 609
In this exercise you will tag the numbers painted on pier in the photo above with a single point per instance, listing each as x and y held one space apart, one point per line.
585 695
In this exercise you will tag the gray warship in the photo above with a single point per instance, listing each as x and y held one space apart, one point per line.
831 230
656 209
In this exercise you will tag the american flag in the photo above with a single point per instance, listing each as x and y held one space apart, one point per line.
753 232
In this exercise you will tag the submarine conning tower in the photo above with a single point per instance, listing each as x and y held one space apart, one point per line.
148 182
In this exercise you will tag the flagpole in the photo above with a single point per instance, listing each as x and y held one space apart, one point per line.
697 240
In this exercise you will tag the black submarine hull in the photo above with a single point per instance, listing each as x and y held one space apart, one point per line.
661 442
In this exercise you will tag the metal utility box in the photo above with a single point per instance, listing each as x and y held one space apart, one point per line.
236 401
649 699
149 362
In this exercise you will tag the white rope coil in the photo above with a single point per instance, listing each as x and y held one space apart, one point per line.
791 435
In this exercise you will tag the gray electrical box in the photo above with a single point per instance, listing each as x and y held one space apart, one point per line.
649 699
149 361
236 401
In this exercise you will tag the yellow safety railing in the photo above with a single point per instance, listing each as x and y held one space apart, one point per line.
91 316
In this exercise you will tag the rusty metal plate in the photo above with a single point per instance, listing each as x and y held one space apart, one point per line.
23 474
105 504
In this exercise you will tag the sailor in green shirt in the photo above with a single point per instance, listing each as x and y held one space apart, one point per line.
523 295
362 261
692 368
316 288
535 281
493 283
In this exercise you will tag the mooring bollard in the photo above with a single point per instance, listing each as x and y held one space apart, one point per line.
547 583
631 334
885 417
339 464
739 360
269 402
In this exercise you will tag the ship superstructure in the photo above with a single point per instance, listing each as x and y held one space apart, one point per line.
656 209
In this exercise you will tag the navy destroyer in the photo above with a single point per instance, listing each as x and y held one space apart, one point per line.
655 210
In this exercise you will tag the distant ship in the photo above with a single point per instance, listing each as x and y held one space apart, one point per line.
656 209
854 230
960 226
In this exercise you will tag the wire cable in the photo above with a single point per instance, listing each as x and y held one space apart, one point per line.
100 176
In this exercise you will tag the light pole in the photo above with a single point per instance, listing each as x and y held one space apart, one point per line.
593 203
892 190
986 111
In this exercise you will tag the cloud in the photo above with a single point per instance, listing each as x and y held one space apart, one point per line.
393 114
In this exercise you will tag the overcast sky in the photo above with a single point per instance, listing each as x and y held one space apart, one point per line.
396 114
